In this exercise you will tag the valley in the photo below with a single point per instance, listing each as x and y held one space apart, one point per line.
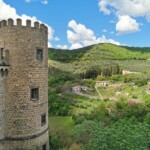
97 91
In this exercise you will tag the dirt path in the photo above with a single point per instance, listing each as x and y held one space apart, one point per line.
99 94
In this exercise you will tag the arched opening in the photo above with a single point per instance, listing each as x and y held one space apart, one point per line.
2 72
6 72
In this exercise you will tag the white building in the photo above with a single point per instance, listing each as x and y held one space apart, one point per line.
102 83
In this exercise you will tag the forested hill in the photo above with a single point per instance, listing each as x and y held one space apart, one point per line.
100 51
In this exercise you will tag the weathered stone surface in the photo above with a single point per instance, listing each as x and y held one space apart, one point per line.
2 108
30 144
20 116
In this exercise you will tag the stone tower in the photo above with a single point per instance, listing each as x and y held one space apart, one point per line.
24 86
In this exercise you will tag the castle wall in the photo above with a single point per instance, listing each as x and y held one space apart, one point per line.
23 114
2 107
30 144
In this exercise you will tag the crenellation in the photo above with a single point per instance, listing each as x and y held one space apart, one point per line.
36 25
28 23
3 23
10 22
46 29
42 26
19 22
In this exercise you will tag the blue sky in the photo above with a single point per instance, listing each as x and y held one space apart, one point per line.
78 23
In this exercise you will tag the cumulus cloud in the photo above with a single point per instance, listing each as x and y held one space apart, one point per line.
131 8
112 32
49 45
6 12
42 1
134 8
104 30
57 39
103 7
103 39
79 36
27 1
127 24
62 46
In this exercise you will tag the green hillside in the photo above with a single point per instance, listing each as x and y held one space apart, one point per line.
100 51
129 58
101 114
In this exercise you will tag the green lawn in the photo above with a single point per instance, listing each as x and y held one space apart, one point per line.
57 124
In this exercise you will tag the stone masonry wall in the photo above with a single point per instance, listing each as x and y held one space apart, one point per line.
30 144
2 107
23 115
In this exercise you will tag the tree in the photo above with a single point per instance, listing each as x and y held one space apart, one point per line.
123 135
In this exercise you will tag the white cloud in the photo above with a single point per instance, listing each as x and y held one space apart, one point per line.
134 8
113 21
56 39
62 46
79 32
49 45
112 32
6 12
131 8
103 7
27 1
127 24
79 36
103 39
76 46
104 30
44 2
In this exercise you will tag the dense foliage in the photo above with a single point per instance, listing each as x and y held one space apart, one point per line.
124 134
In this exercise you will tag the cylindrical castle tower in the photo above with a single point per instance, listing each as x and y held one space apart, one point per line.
27 82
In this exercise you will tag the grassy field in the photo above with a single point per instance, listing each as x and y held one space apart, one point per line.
57 123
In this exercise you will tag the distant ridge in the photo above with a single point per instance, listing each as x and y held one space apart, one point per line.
101 51
129 58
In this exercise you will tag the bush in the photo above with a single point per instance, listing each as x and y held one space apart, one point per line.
122 135
147 118
54 142
100 112
79 119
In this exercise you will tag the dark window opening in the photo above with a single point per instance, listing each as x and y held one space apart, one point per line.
44 147
34 93
2 53
6 72
39 54
43 119
2 72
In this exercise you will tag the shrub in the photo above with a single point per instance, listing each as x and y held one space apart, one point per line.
122 135
147 118
78 119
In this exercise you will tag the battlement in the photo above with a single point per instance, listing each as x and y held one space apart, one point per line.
10 23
